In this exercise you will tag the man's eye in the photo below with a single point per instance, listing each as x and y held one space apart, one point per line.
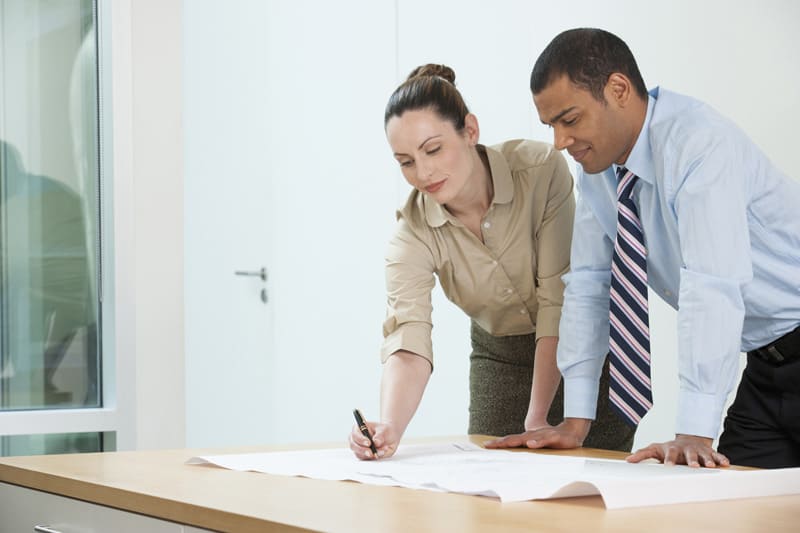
571 121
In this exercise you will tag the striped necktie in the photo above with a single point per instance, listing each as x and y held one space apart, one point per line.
629 340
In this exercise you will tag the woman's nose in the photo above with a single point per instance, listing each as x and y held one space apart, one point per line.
425 170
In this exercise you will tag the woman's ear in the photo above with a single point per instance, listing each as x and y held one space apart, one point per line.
471 129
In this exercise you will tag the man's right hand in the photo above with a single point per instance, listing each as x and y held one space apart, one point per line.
568 434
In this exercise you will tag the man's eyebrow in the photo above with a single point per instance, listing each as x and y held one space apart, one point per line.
557 117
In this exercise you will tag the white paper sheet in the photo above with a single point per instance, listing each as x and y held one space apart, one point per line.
514 476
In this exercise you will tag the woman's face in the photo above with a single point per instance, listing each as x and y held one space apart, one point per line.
434 158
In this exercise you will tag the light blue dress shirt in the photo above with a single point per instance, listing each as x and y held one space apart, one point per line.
722 230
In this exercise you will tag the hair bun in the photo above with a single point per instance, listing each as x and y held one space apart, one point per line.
442 71
429 87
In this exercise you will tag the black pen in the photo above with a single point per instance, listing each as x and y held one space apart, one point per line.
365 431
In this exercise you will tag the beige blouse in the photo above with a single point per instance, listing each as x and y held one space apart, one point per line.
511 283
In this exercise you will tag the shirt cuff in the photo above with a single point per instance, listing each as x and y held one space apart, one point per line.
547 319
699 414
580 398
413 337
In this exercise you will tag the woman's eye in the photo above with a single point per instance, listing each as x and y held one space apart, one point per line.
405 163
433 150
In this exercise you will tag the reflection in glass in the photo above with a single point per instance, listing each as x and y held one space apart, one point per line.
57 443
48 207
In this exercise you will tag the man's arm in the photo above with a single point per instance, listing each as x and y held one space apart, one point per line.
710 208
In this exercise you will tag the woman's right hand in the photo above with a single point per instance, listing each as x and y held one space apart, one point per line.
384 436
405 375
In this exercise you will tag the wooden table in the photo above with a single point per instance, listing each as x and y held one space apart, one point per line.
159 484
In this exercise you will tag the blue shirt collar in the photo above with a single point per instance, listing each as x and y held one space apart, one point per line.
640 160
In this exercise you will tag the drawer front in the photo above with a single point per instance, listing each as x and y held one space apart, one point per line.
22 509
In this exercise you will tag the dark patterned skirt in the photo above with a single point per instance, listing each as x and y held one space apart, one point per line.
501 370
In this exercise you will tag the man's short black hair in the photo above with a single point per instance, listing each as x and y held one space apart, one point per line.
588 56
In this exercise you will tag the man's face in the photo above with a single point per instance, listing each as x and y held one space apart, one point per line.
596 134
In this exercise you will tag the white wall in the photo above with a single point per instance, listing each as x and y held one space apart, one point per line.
147 210
735 55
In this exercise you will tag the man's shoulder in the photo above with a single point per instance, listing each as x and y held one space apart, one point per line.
682 116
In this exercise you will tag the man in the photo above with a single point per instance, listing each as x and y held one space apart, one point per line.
721 244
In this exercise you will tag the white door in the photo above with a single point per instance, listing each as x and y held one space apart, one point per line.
287 169
227 217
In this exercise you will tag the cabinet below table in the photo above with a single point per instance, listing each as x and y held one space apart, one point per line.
22 509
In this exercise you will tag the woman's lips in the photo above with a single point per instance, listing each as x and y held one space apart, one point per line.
432 188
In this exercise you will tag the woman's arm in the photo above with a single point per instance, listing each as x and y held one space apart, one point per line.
405 376
554 237
546 378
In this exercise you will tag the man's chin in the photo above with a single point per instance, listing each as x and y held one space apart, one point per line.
588 168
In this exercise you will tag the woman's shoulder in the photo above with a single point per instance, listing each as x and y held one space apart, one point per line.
525 153
411 216
412 233
534 162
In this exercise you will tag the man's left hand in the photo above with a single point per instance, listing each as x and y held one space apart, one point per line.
685 449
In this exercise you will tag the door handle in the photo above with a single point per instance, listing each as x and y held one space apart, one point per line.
262 273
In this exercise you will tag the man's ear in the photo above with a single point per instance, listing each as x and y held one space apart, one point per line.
471 129
619 89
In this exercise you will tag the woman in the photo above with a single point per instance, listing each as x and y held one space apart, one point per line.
494 224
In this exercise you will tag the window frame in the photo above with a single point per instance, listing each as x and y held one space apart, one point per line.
115 268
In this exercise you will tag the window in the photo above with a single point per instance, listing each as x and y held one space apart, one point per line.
50 348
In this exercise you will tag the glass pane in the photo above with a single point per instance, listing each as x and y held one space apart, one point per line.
48 205
57 443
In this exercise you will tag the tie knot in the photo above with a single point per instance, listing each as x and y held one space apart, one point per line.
625 182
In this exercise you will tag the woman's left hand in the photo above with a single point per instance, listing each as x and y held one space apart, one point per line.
534 423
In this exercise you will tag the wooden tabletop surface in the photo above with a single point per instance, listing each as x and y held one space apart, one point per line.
161 484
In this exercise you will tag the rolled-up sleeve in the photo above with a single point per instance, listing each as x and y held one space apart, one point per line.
553 240
409 282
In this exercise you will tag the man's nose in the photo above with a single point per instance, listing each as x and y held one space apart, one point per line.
561 139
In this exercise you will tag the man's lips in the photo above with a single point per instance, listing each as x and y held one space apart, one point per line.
577 155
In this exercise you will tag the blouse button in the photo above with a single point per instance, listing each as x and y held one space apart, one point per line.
487 225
